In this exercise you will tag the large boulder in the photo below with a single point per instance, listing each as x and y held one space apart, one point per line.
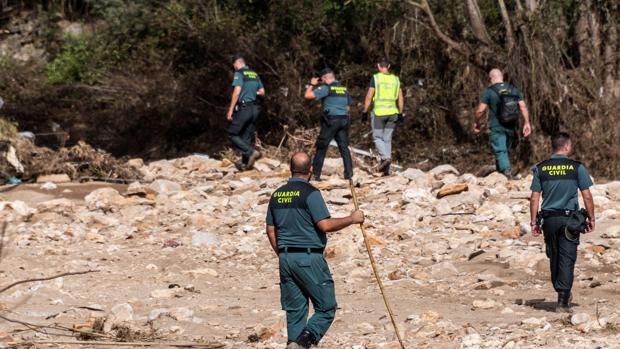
104 199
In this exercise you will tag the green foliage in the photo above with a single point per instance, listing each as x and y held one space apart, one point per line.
73 64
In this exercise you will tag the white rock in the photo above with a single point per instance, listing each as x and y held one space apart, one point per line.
204 238
165 187
485 304
471 340
122 312
441 170
182 314
157 313
579 318
103 198
49 186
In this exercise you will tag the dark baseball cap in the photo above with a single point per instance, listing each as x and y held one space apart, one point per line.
326 71
236 56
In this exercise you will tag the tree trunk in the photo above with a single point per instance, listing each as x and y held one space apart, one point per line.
477 22
510 39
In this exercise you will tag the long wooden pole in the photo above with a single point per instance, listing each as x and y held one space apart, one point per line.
374 269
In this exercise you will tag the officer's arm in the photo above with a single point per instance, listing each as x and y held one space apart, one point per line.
329 225
260 91
480 111
401 101
309 94
234 99
534 203
368 100
588 201
524 112
271 234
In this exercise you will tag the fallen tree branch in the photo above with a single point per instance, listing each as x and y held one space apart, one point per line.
26 281
123 344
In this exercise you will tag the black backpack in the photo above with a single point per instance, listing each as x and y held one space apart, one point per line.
508 111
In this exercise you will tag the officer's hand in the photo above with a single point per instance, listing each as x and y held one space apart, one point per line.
365 116
535 231
527 129
591 225
476 128
229 115
314 81
357 216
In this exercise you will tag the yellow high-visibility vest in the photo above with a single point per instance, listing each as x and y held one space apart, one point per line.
387 87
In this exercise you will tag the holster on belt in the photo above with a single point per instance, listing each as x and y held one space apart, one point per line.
325 118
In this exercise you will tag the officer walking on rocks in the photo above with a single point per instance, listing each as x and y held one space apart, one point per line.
335 120
243 112
558 179
386 96
505 106
297 223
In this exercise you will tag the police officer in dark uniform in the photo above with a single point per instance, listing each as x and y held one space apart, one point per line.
559 179
297 223
335 120
243 112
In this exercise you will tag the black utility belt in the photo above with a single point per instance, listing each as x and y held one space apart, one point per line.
337 116
557 213
246 104
300 250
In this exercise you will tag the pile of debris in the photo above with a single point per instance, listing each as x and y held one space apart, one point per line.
21 158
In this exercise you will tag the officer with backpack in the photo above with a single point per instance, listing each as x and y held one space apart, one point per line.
335 120
243 112
505 105
386 96
558 180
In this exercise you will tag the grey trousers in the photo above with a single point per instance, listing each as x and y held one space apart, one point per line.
382 129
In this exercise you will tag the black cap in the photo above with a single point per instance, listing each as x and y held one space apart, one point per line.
384 62
326 71
236 56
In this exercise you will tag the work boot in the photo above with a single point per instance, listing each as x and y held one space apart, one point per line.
508 174
240 166
563 305
255 156
386 169
384 163
305 339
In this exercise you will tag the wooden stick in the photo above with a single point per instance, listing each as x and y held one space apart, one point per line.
46 278
374 269
123 344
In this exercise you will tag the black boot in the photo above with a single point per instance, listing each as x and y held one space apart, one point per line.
564 299
305 339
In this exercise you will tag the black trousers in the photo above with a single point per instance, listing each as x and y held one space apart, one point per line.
338 129
243 128
562 253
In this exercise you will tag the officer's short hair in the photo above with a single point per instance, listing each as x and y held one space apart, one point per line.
300 163
559 141
384 62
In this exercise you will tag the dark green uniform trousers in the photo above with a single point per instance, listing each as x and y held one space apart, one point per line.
243 128
562 253
306 276
502 139
333 128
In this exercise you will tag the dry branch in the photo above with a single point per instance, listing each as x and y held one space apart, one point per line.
123 344
46 278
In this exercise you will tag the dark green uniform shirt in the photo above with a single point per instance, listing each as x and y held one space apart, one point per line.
249 82
559 179
490 98
294 209
335 98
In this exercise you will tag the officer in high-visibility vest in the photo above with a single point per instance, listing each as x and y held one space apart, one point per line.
388 102
243 112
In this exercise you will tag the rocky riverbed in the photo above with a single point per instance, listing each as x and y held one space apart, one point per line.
183 257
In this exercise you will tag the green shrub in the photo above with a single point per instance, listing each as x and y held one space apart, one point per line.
75 63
